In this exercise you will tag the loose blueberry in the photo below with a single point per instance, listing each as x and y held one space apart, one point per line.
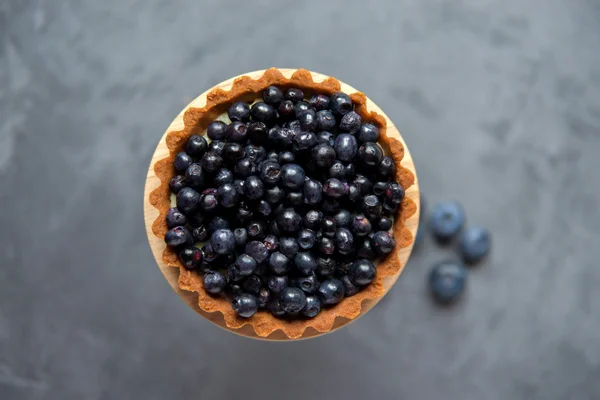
306 239
262 112
368 133
223 241
196 146
289 221
272 96
187 200
361 226
178 236
208 200
313 191
323 155
200 233
343 240
292 300
362 272
270 172
177 183
447 281
288 246
190 257
446 220
227 196
383 242
217 130
474 244
211 162
343 219
331 291
294 95
335 188
340 104
214 282
350 122
175 218
292 176
277 283
257 250
312 307
345 147
245 305
370 154
253 188
239 111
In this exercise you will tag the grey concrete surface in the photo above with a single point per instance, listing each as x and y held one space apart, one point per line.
499 102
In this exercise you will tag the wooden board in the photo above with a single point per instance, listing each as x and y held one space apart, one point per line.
158 245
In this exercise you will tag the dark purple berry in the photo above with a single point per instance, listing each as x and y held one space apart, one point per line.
295 199
177 183
313 191
286 109
326 266
223 176
227 196
286 157
394 193
350 122
343 219
361 226
289 221
326 138
292 300
196 146
223 241
279 263
194 176
255 153
474 244
302 107
288 246
263 208
323 155
362 272
271 242
312 307
294 95
326 246
178 236
308 121
328 226
345 147
239 111
331 291
335 188
363 184
187 200
244 305
257 250
277 283
383 242
270 172
200 233
175 218
331 206
306 239
252 284
384 224
245 265
217 130
340 104
370 154
274 195
319 102
447 281
304 141
379 188
292 176
272 96
214 282
262 112
368 133
257 132
305 263
350 288
241 237
253 188
263 297
312 219
371 207
208 200
217 223
387 167
337 170
190 257
211 162
182 161
343 241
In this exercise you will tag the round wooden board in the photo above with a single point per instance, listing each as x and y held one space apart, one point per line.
157 244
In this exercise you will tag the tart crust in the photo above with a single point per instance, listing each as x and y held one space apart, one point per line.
196 121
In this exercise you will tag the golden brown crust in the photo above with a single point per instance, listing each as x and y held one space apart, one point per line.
196 120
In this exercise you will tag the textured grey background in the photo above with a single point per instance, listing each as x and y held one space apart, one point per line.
499 102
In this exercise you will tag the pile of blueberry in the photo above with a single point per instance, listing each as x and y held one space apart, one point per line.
291 202
447 278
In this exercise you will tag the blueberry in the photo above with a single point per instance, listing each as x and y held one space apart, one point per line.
446 220
238 184
175 218
227 196
272 96
447 281
326 138
245 265
223 176
308 284
274 195
262 112
263 208
350 288
177 183
308 121
239 111
294 95
361 226
178 236
345 147
312 219
383 242
343 219
474 244
387 167
343 241
331 291
257 250
196 146
275 308
244 305
271 242
233 274
286 157
379 188
294 199
190 257
257 230
319 102
277 283
232 153
312 307
326 245
252 284
353 192
350 122
326 266
362 272
208 253
216 147
289 221
257 132
370 154
292 300
306 239
384 224
263 297
305 262
328 226
194 177
286 109
288 246
278 263
211 162
324 120
200 233
182 161
302 107
335 188
273 156
223 241
255 153
304 141
237 131
292 176
368 133
214 282
217 223
337 170
208 200
364 185
340 104
323 155
331 206
241 237
394 193
270 172
254 188
217 130
187 200
313 191
371 207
